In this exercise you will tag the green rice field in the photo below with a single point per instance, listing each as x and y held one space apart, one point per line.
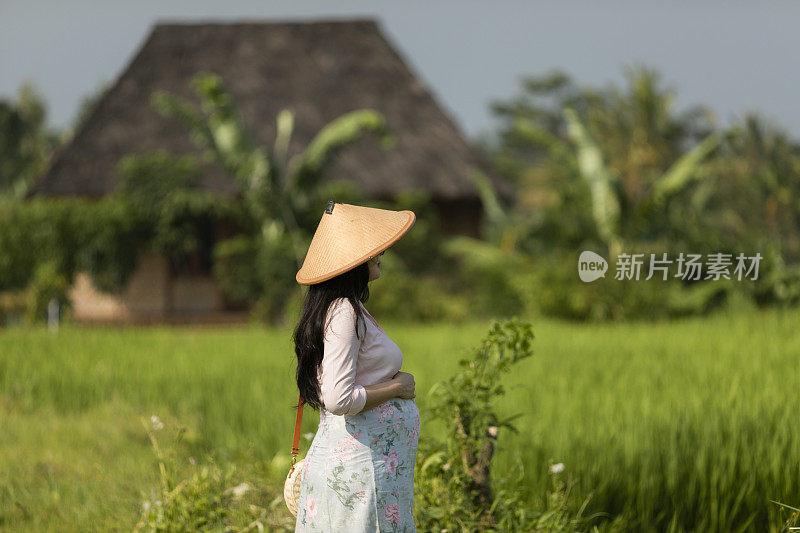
688 425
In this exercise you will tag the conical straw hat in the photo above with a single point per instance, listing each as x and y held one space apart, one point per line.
349 235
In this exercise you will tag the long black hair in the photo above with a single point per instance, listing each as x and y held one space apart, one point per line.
308 334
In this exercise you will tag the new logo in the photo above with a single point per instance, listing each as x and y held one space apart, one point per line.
591 266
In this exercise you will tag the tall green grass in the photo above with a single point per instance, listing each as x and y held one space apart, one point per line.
686 426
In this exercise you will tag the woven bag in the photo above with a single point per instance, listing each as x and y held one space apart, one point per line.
291 487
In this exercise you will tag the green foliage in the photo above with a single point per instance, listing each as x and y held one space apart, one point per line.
486 273
504 227
752 201
274 267
209 498
197 503
279 189
557 291
25 141
607 193
419 249
605 204
605 169
682 172
38 231
558 513
777 283
282 192
403 295
595 167
146 181
454 478
168 208
254 271
110 233
47 284
457 489
603 153
236 268
157 207
305 169
27 237
499 226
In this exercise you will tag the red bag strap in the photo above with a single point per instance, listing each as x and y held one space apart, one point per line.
297 423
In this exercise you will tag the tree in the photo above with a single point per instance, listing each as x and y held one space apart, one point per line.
277 188
25 141
599 165
608 196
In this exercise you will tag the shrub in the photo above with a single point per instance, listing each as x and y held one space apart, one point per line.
777 283
209 496
39 231
558 291
47 284
403 295
235 266
482 273
455 486
111 237
257 270
455 477
276 268
420 248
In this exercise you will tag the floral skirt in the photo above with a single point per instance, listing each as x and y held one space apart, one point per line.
358 474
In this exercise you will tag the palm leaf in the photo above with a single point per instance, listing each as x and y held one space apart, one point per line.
495 213
219 129
172 106
683 171
605 204
284 127
535 134
304 168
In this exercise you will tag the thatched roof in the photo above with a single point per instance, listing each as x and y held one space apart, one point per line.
321 69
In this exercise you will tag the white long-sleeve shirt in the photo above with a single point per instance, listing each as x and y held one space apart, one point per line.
349 363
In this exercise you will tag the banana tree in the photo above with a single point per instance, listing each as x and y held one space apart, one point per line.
603 181
609 175
277 187
605 203
584 157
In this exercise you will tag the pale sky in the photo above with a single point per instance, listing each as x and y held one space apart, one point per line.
731 55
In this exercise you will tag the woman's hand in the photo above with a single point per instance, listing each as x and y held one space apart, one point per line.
405 385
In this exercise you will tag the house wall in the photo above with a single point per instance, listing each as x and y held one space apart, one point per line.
196 295
152 293
146 294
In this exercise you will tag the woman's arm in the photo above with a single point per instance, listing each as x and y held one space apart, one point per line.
380 392
340 394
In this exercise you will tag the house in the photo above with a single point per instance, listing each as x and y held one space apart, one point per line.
320 69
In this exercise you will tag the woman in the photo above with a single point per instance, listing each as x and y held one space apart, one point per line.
358 473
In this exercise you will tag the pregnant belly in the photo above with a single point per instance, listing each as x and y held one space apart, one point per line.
395 420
